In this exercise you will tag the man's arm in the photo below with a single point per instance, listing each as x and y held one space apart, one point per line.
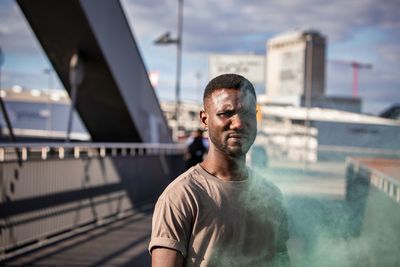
165 257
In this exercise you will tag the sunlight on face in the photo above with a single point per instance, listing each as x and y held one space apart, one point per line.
231 120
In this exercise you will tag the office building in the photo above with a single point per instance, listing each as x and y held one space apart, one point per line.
295 67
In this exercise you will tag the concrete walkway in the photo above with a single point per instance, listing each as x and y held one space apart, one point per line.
122 243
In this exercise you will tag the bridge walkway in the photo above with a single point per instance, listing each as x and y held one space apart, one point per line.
118 244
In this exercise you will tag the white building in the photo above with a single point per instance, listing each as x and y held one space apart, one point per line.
248 65
37 114
189 119
311 134
295 64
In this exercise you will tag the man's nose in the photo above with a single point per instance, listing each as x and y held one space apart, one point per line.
237 122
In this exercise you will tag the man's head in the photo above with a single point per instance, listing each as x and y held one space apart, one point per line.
198 133
229 114
232 81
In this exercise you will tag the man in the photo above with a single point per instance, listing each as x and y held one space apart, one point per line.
195 149
219 213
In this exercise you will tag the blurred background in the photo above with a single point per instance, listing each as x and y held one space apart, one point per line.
100 99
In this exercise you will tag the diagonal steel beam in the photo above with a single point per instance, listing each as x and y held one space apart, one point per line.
115 100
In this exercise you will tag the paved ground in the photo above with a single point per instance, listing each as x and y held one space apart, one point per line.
122 243
323 179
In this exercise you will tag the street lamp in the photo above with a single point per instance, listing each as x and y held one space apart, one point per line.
76 75
198 86
48 72
166 39
308 92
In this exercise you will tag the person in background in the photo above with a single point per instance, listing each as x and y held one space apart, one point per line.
196 148
220 212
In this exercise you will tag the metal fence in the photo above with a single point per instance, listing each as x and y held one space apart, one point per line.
373 198
357 171
53 191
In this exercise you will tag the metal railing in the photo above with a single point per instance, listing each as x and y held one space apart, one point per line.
387 184
38 151
62 189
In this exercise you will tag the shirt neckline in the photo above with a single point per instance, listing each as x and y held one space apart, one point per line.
208 175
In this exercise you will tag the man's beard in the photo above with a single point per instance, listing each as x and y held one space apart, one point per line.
234 152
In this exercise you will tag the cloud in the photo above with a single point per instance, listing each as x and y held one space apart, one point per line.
149 19
230 25
216 25
14 32
365 30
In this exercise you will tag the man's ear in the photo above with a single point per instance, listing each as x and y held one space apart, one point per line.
204 119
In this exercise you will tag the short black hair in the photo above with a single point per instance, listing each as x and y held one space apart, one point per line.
228 81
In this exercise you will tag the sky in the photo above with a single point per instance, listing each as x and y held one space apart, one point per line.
366 31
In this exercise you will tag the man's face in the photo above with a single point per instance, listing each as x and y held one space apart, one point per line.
230 117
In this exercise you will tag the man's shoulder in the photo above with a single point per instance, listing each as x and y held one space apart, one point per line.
187 182
261 184
264 181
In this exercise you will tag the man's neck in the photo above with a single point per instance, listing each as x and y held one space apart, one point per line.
225 167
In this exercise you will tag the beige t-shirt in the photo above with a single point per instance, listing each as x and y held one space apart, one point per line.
221 223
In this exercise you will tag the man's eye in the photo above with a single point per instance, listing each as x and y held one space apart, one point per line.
221 114
225 114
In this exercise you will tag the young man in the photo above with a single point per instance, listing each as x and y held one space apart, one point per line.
219 213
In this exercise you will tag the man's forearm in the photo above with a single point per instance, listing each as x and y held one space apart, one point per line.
165 257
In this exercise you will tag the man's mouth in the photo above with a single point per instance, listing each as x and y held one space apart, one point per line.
236 136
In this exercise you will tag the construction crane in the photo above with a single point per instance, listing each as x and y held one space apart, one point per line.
355 66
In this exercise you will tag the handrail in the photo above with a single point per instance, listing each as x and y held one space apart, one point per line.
43 151
93 145
379 179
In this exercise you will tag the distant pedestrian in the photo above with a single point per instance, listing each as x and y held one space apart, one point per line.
196 149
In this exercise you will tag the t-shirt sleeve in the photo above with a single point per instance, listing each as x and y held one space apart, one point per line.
170 226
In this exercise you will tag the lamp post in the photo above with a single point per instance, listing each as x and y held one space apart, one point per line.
198 85
308 92
76 75
166 39
48 72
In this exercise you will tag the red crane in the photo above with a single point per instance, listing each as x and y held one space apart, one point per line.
355 66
